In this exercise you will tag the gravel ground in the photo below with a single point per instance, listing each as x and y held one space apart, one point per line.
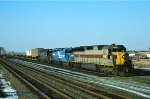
115 90
22 91
134 87
61 85
127 80
142 63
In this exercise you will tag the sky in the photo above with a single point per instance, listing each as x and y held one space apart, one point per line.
53 24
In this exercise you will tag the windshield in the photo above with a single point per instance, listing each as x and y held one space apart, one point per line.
118 50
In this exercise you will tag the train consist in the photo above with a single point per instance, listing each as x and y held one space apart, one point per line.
112 59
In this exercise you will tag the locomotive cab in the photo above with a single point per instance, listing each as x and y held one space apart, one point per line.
121 58
119 54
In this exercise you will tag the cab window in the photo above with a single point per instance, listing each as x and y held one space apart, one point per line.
121 50
114 50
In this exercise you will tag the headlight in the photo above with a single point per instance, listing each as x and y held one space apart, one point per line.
124 56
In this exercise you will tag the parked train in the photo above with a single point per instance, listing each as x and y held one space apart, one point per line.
112 59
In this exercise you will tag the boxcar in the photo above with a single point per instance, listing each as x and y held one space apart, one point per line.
33 53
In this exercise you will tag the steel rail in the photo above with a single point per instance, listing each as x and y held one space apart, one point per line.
82 86
41 88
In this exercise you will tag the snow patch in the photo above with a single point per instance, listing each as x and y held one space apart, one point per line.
9 92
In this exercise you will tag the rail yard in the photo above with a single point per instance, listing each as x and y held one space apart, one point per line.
74 49
91 72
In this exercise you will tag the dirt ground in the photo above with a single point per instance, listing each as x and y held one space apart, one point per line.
142 63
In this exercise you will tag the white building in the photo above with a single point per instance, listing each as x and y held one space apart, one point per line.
148 55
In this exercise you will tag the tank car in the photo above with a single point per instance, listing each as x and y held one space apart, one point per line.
103 58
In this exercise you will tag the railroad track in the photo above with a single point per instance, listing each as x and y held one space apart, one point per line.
79 89
41 89
70 68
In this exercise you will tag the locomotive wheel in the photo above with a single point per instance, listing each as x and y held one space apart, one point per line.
124 74
126 69
115 73
97 68
71 65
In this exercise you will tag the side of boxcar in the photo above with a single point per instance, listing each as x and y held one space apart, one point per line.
33 53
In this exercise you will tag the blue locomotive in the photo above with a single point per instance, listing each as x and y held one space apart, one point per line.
62 56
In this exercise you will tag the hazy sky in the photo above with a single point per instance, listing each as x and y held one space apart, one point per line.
26 25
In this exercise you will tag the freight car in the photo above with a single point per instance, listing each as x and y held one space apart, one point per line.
103 58
45 55
33 53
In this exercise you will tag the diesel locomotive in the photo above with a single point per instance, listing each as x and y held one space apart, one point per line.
111 59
